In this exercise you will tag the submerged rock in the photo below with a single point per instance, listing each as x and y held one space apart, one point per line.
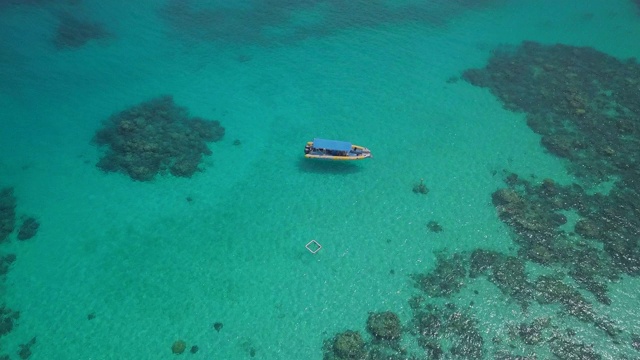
178 347
349 345
434 226
5 263
8 318
385 325
7 213
218 326
28 229
25 349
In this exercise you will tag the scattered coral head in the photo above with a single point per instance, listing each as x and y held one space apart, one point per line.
155 137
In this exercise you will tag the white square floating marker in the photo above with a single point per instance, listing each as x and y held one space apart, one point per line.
313 246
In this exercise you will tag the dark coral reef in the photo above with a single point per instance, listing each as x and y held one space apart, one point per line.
385 329
584 104
7 225
5 263
154 137
580 236
251 22
506 272
433 324
384 326
345 345
28 229
7 213
446 279
8 319
73 32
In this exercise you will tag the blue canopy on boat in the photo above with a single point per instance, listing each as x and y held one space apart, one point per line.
331 144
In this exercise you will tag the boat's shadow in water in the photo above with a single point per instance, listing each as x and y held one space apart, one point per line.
327 166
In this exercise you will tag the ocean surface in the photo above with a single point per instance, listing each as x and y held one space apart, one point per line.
122 269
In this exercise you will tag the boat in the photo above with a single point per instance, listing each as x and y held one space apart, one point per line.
335 150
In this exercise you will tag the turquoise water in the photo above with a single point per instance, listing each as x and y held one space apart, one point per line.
154 268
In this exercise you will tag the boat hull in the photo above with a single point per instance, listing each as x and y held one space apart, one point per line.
356 152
